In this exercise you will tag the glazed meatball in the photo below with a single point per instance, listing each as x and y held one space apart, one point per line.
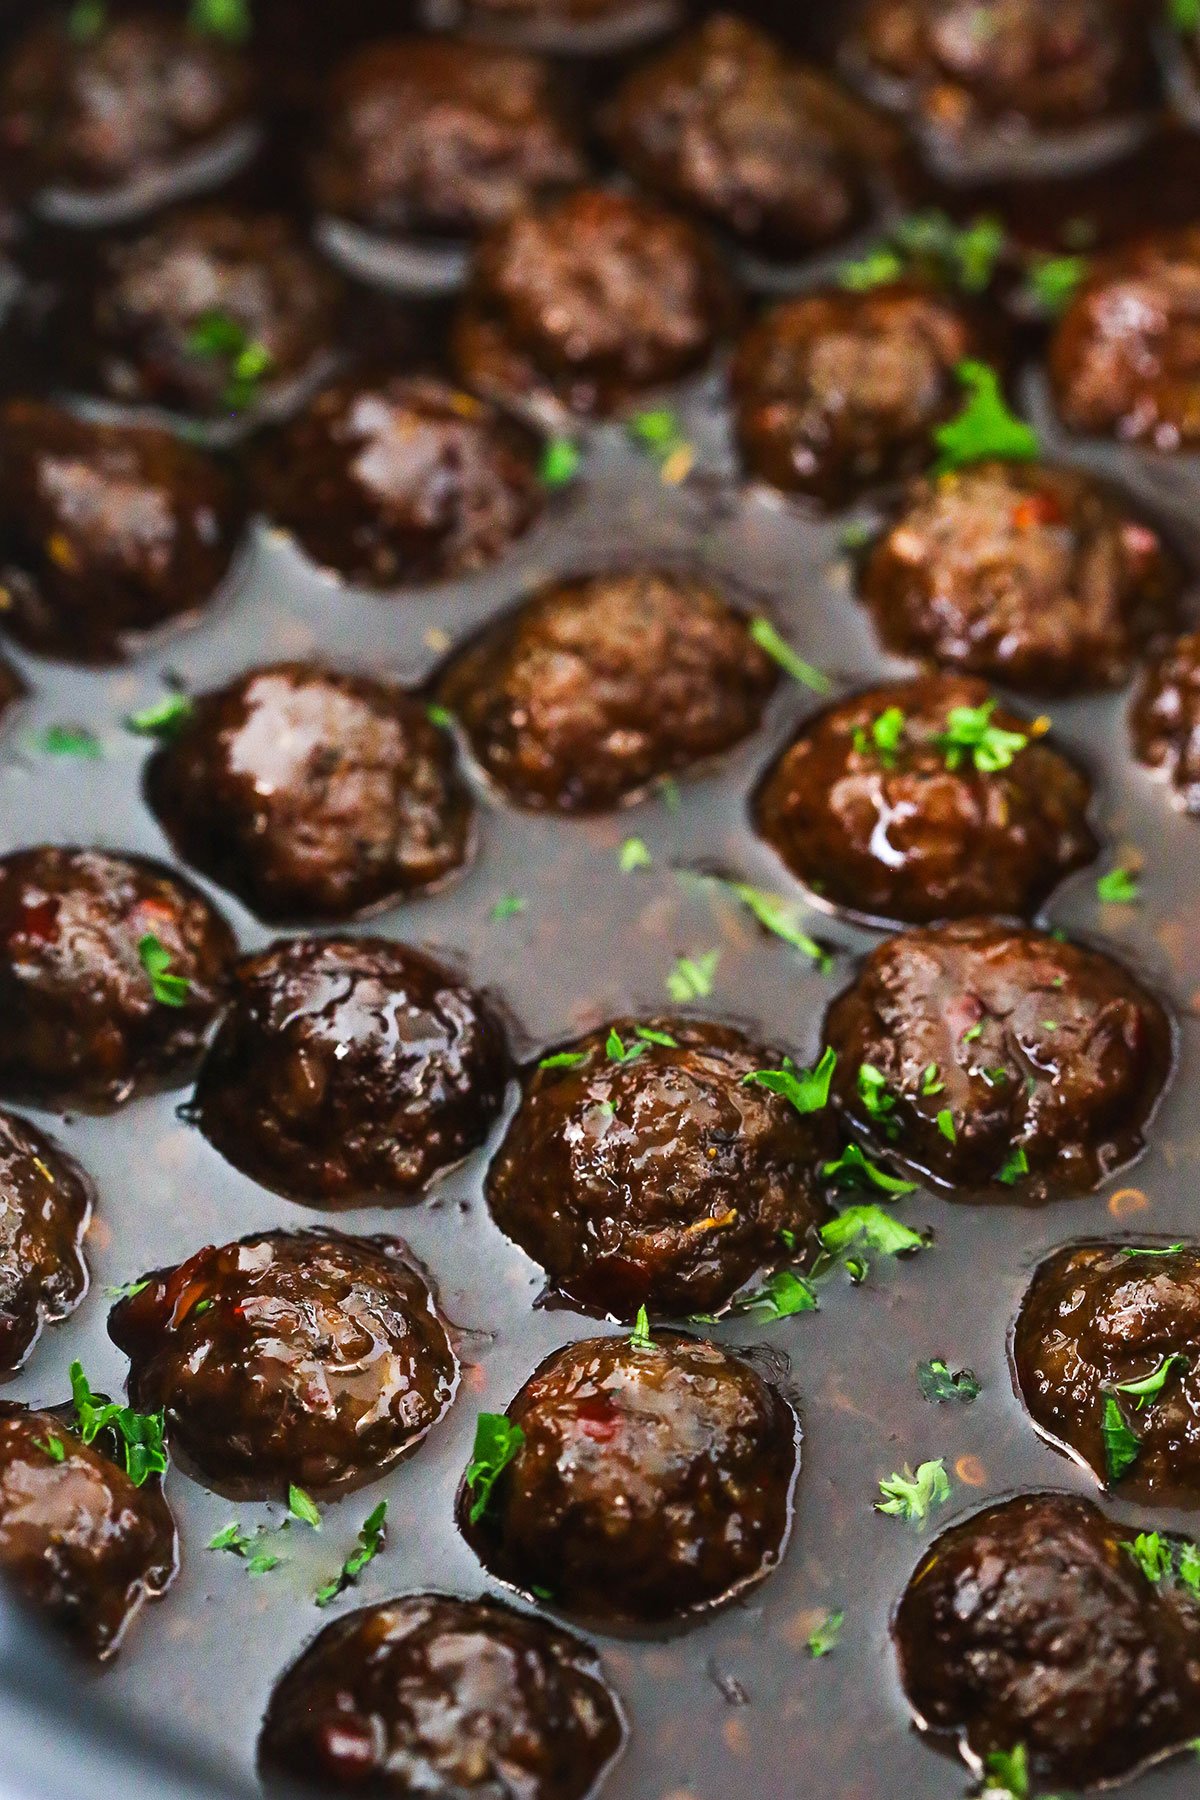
599 686
401 479
728 125
1041 578
80 1541
837 391
112 969
433 1695
350 1069
659 1176
105 530
925 800
123 105
311 794
302 1357
436 138
1125 360
1031 1625
1113 1324
45 1205
652 1480
212 313
996 1053
1166 717
587 301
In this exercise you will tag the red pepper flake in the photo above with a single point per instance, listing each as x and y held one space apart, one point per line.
598 1419
1037 509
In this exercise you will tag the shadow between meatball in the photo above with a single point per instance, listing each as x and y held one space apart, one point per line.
46 1205
1165 719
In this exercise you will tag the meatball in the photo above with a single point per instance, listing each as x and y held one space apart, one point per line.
211 313
434 1695
979 1052
105 530
112 969
1030 1625
922 800
431 137
837 391
1166 717
727 124
123 105
80 1541
401 479
45 1206
652 1479
311 794
1125 360
598 686
587 301
642 1168
350 1069
1041 578
1114 1325
303 1357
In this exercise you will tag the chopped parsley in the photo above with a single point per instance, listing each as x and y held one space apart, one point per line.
823 1638
853 1169
969 731
54 1448
781 1296
931 1080
878 1103
663 1039
564 1059
302 1506
1053 281
634 855
246 362
938 1383
692 977
779 917
1153 1554
806 1089
227 19
1185 14
1147 1390
1150 1250
639 1337
885 735
127 1290
790 661
73 741
1122 1446
371 1537
930 245
911 1496
86 20
871 1227
659 432
509 906
560 462
1007 1774
497 1441
1120 887
946 1125
163 720
441 716
1016 1165
618 1051
986 428
156 959
139 1436
247 1545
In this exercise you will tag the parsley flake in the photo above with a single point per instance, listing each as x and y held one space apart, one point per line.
248 1546
560 462
1147 1390
156 959
73 741
302 1506
564 1059
931 247
985 429
911 1496
1053 281
1185 14
226 19
618 1051
1120 887
781 1296
634 855
853 1169
692 977
823 1638
878 1103
639 1337
1007 1774
946 1125
371 1536
1016 1165
1150 1250
54 1448
86 20
245 361
163 720
931 1081
139 1436
969 731
1122 1447
790 661
806 1089
497 1442
871 1227
1153 1555
780 918
127 1289
509 906
938 1383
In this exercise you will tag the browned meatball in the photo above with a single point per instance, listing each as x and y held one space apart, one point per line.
212 313
588 301
45 1205
727 124
836 391
348 1070
312 794
998 1053
400 479
1166 717
1030 1626
434 1695
1125 360
1116 1326
646 1169
302 1357
652 1480
105 530
112 969
599 686
1041 578
925 800
80 1541
430 137
125 104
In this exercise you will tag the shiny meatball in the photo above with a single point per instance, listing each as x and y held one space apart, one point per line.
112 969
105 530
432 137
926 800
80 1542
998 1054
212 313
836 391
727 124
652 1480
311 794
45 1205
1125 360
302 1357
1030 1625
657 1176
434 1695
1102 1320
350 1069
1166 717
1041 578
98 111
598 686
588 301
401 479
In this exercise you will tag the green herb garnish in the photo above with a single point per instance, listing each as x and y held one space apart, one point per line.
871 1227
1153 1555
946 1125
930 245
248 1546
1120 887
53 1447
1053 281
639 1337
1150 1250
634 855
246 362
938 1383
509 906
497 1441
1185 14
985 429
227 19
127 1289
823 1638
163 720
441 716
781 1296
692 977
970 732
86 20
156 959
878 1103
1016 1165
779 917
853 1169
73 741
790 661
1151 1386
911 1496
1122 1447
302 1506
564 1059
619 1052
370 1542
560 462
806 1089
139 1436
1007 1773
